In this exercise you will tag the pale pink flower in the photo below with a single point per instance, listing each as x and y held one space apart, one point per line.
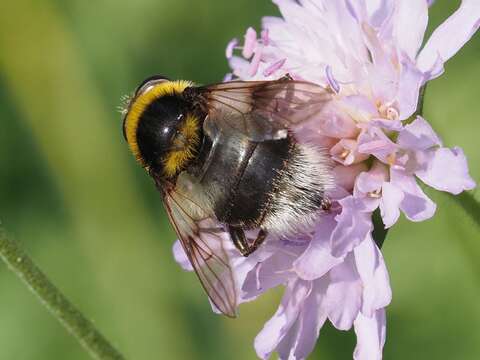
369 53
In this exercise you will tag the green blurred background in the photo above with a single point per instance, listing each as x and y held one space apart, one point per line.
71 193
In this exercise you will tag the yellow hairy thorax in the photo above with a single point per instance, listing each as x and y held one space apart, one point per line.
184 147
141 102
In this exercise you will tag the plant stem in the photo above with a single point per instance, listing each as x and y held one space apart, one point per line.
62 309
469 204
379 232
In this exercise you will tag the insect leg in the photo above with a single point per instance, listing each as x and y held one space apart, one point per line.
262 235
286 77
241 243
239 240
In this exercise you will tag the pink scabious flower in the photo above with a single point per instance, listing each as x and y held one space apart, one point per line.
369 53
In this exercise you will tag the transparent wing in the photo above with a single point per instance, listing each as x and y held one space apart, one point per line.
202 241
265 109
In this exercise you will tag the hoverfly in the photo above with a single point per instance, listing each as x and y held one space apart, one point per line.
226 159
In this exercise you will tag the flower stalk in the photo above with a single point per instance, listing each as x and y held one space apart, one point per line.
62 309
469 204
379 233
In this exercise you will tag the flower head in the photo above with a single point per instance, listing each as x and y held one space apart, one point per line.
369 54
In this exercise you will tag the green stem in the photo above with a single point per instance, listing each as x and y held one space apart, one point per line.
469 204
379 231
421 97
68 315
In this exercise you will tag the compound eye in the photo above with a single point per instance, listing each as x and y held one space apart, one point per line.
149 82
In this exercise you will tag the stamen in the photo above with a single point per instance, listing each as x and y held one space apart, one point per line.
255 61
250 43
331 80
264 35
392 113
345 153
388 111
375 194
274 67
391 159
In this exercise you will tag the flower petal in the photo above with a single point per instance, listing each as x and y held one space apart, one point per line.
410 23
391 125
371 181
286 346
335 122
359 107
370 333
317 259
410 81
344 294
269 272
345 175
380 11
390 202
279 325
229 50
374 275
415 205
375 142
239 66
450 36
300 341
447 170
345 152
418 135
180 256
354 223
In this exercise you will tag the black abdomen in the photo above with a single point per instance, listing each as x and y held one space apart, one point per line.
255 185
240 176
